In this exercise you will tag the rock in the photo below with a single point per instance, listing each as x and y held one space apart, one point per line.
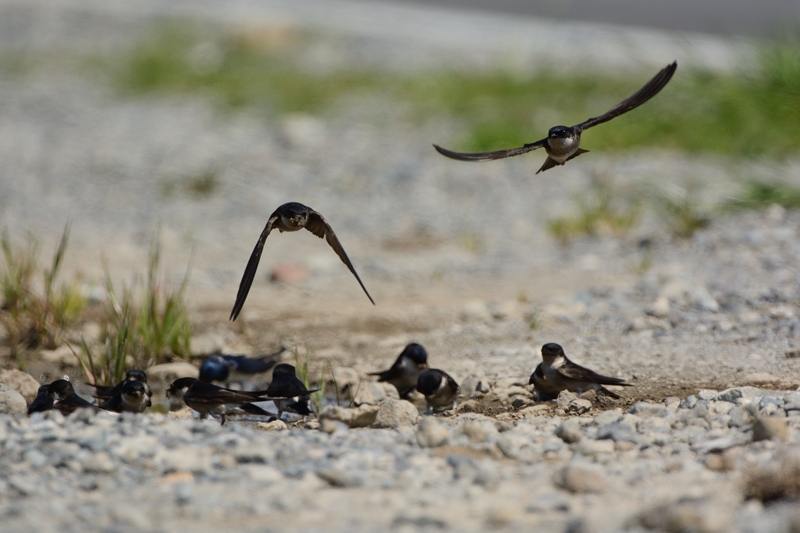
608 417
550 501
707 394
593 448
331 426
762 378
571 404
12 402
474 386
579 477
100 463
686 516
186 459
338 477
733 394
569 431
646 409
160 376
432 433
770 427
274 425
740 416
395 413
346 377
511 444
22 382
478 430
373 393
358 417
618 432
689 402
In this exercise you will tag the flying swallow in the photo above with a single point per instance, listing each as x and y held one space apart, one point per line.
563 374
285 384
291 217
439 388
206 398
131 398
65 399
102 392
235 368
42 402
545 390
563 142
404 373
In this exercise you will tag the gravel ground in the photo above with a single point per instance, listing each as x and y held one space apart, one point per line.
457 257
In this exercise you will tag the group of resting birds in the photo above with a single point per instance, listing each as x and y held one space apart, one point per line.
409 373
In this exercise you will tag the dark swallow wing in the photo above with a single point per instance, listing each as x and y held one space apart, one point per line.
113 404
489 156
104 392
252 266
287 386
254 409
650 89
246 365
212 395
577 372
318 226
396 371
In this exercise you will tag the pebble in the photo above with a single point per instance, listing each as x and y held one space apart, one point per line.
579 477
358 417
12 402
571 404
432 433
618 432
646 409
766 428
22 382
569 431
395 413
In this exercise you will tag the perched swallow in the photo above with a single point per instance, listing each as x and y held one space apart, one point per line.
206 398
102 392
439 388
285 384
42 402
404 373
545 390
65 399
131 398
291 217
235 368
563 374
563 142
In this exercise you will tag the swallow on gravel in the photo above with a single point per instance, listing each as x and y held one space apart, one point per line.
235 368
404 373
65 399
131 398
563 374
545 390
103 393
43 400
206 398
292 216
285 384
563 142
439 388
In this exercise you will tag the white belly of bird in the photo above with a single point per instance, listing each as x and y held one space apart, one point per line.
562 148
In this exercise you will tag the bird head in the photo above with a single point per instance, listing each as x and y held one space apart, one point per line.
429 381
214 367
133 390
559 132
179 386
551 351
417 353
283 369
294 214
136 375
60 389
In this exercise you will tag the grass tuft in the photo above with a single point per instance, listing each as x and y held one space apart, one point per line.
757 194
680 210
34 319
601 210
